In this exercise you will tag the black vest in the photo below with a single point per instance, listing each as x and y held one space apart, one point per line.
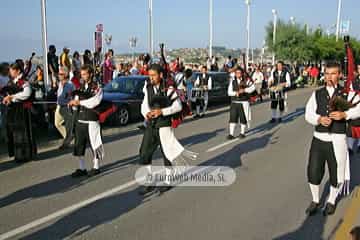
236 87
204 80
86 114
159 100
279 79
322 101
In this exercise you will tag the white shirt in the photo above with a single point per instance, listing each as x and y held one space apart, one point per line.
249 89
258 77
312 117
288 80
24 94
197 82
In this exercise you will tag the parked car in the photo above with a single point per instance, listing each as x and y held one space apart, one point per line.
126 92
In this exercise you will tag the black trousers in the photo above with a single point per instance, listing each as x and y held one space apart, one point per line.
82 138
280 103
321 153
149 144
236 112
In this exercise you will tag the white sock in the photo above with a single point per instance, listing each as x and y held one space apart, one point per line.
205 108
350 142
242 128
281 114
232 127
82 164
273 113
333 195
198 110
315 189
96 163
148 168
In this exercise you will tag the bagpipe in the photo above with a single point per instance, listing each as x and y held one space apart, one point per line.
104 110
340 102
254 94
179 117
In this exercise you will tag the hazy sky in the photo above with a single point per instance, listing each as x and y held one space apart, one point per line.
178 23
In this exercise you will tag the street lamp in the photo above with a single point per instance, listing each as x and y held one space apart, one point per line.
45 44
248 2
132 43
274 12
338 21
151 29
211 27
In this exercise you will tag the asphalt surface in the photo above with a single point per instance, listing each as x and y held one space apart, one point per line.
39 200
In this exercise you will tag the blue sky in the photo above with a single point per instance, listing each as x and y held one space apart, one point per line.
178 23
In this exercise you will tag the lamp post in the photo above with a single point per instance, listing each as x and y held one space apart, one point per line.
248 2
274 12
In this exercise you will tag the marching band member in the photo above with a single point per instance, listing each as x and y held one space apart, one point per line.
204 82
87 128
279 79
329 141
239 90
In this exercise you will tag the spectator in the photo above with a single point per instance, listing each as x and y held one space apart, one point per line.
87 58
314 74
53 62
62 113
107 68
258 79
76 80
76 62
134 69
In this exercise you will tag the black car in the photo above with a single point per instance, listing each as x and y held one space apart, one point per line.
220 84
126 93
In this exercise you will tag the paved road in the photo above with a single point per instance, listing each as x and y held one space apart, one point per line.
39 200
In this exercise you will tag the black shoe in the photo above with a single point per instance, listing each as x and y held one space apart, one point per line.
329 209
79 173
312 209
230 137
242 136
163 189
64 146
146 189
273 120
202 115
20 161
279 120
196 116
93 172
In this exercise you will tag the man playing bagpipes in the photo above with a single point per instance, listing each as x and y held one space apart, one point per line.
17 98
278 81
160 104
328 110
240 90
87 126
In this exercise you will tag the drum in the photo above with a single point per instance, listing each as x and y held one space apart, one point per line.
276 93
197 93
